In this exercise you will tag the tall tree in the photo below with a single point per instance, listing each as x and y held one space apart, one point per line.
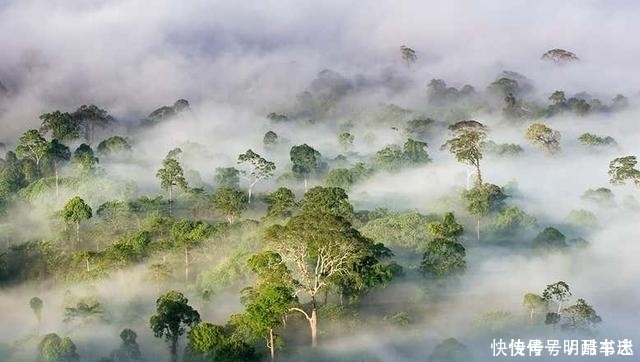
56 154
557 292
305 161
466 144
534 303
173 315
258 168
268 301
230 202
408 55
76 210
445 255
89 117
544 137
62 126
85 158
114 145
36 305
281 202
32 146
483 199
187 234
624 168
414 153
330 200
319 248
171 174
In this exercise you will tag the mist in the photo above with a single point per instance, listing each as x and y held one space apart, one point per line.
310 72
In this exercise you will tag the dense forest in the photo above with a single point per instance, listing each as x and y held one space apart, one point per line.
336 211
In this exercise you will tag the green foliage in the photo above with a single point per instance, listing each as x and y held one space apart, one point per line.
544 137
601 196
580 316
535 304
173 315
419 127
270 139
84 310
443 258
484 199
511 220
217 343
582 219
32 146
62 126
550 239
306 161
622 169
557 292
227 177
345 140
76 210
88 117
52 348
281 202
592 140
408 230
331 200
84 158
502 149
230 202
466 144
129 350
114 145
388 159
447 229
414 153
450 350
171 173
258 168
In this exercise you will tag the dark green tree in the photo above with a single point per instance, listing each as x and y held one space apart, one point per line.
305 162
36 305
557 292
173 315
331 200
483 199
57 154
414 153
114 145
62 126
549 239
85 158
90 117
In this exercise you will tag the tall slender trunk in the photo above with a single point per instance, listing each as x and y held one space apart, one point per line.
170 199
479 174
313 324
186 264
86 260
478 228
306 184
272 346
251 185
174 349
55 169
77 234
531 315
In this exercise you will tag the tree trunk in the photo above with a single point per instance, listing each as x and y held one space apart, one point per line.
313 324
86 260
55 169
478 229
479 174
186 264
170 200
272 346
174 350
77 234
531 315
251 185
306 184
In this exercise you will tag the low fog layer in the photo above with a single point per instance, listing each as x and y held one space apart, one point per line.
311 72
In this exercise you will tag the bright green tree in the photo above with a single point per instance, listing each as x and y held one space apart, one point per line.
331 200
32 146
74 211
281 202
230 202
